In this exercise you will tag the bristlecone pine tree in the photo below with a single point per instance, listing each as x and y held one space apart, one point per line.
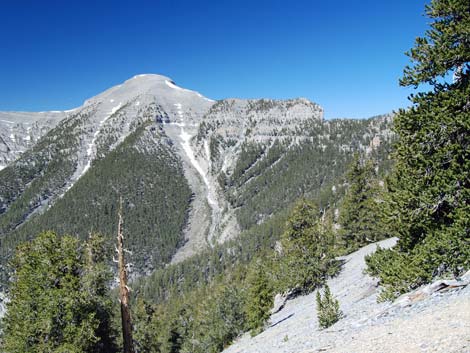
360 217
59 298
328 311
430 186
307 249
259 298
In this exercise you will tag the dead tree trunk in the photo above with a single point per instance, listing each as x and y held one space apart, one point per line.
124 289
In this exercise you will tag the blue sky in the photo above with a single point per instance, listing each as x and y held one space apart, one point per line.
344 55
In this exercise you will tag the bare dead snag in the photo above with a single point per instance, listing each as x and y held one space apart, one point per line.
123 288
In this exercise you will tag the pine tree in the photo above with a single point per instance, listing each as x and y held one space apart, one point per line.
179 328
96 277
328 311
429 191
58 301
259 298
360 217
432 178
219 318
150 322
307 249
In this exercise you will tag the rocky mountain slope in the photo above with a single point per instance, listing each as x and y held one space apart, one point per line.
193 172
439 322
20 131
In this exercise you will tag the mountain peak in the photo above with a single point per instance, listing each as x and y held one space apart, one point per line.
154 77
158 88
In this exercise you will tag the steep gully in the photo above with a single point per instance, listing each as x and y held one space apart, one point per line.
185 136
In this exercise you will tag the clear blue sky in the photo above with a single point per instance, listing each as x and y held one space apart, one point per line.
346 55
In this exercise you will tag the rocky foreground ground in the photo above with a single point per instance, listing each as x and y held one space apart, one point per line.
425 321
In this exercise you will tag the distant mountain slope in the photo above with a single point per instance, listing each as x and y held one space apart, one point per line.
193 172
113 146
20 131
266 154
146 171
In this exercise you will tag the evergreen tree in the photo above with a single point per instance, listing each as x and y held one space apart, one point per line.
328 311
307 249
179 328
219 319
58 301
95 280
429 191
259 298
359 215
150 325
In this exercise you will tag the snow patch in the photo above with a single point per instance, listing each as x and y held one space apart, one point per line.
2 167
225 163
207 99
172 85
208 153
186 138
114 110
186 144
179 109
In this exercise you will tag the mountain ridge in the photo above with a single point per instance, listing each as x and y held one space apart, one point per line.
234 156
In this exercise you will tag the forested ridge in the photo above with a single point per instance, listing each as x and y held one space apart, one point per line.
156 193
146 170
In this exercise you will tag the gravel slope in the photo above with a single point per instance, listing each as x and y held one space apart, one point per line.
440 323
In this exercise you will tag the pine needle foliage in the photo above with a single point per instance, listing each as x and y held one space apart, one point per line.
307 249
59 299
259 298
360 216
429 190
328 311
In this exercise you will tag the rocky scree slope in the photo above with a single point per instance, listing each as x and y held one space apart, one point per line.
193 172
439 322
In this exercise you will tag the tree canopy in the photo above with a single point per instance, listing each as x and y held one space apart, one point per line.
445 46
360 217
429 191
307 245
59 298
